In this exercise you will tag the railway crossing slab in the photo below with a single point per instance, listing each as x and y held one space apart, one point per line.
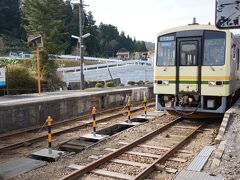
149 118
200 160
15 167
84 141
77 145
87 140
130 124
96 136
44 154
186 174
193 171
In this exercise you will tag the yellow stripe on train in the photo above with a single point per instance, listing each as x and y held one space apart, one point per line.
204 78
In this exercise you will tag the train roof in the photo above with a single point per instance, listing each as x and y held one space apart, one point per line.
191 27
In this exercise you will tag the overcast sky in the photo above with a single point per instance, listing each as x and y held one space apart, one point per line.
143 19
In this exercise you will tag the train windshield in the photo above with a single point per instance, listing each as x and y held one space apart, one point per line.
214 48
188 53
166 51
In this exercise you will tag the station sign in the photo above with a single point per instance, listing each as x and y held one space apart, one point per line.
227 14
3 77
35 41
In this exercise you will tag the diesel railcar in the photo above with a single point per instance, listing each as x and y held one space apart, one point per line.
196 70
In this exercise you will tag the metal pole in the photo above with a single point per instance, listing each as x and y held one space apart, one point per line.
7 80
81 45
49 120
38 68
145 106
129 111
94 112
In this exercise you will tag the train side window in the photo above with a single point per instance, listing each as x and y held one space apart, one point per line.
214 48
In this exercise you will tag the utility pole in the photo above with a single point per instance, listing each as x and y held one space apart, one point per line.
81 45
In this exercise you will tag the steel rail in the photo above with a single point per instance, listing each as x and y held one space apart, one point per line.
37 139
169 153
78 173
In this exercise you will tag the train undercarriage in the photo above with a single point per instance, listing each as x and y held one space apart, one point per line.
194 105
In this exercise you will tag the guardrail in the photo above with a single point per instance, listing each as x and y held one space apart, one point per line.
86 58
101 66
20 55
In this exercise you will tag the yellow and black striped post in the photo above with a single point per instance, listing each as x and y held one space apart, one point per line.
49 121
129 111
94 112
145 106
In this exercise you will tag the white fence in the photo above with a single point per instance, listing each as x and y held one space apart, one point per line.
134 70
20 55
87 58
107 65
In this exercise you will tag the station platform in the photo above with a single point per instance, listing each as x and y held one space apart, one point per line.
48 96
23 111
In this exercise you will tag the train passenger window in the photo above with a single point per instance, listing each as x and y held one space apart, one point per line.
214 48
166 51
188 53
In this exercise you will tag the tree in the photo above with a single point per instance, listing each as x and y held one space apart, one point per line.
113 45
10 17
140 46
91 43
108 33
48 18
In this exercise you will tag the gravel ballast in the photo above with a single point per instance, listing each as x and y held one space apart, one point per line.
230 162
60 169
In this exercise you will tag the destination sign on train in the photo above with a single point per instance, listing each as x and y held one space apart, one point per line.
227 14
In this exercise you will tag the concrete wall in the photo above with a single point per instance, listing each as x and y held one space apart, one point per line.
28 114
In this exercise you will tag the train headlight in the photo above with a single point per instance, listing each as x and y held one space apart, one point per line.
190 99
162 82
215 83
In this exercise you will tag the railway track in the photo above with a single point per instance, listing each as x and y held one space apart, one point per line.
67 121
117 157
78 124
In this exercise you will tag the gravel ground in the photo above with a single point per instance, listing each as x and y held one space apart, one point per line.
60 168
230 163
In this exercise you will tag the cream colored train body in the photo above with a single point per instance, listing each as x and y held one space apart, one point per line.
196 69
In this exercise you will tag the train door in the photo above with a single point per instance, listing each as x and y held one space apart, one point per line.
188 72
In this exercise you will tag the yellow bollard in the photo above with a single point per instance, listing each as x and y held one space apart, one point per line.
129 111
145 106
49 121
94 112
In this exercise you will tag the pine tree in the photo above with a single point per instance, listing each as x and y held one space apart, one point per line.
10 17
48 18
91 43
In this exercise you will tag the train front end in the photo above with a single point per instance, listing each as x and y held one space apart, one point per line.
191 74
